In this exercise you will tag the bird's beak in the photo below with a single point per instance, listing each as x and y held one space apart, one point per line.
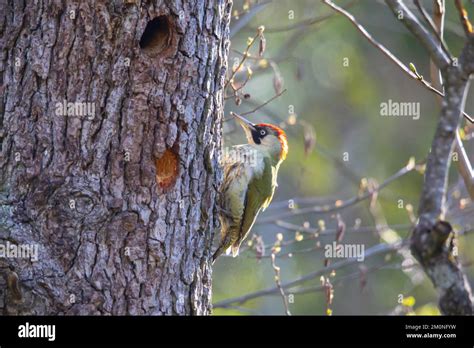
246 124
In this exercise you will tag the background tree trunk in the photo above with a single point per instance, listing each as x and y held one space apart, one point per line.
120 201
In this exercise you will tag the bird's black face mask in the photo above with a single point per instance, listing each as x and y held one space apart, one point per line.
258 133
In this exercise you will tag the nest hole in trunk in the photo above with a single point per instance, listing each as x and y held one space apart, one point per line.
157 36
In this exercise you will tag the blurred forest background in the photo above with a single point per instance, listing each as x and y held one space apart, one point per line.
335 82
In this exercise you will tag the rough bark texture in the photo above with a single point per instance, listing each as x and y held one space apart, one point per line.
121 204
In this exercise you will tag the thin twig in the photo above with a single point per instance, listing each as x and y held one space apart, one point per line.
258 107
387 52
245 19
339 204
242 61
314 234
464 166
463 17
333 231
278 284
403 13
306 22
371 252
264 104
432 25
350 276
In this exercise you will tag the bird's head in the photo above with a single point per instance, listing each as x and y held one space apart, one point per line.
265 137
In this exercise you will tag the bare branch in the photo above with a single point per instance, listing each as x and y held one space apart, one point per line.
245 19
464 166
333 231
263 104
431 242
278 284
375 250
258 107
307 22
432 239
439 15
430 42
387 52
371 252
439 11
242 61
463 17
339 204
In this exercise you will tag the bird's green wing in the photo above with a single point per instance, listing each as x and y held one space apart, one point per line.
259 194
267 202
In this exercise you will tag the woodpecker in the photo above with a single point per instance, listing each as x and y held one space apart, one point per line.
250 179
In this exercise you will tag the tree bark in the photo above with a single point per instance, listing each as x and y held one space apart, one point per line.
120 201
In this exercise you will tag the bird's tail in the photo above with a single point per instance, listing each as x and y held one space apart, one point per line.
217 253
223 246
235 249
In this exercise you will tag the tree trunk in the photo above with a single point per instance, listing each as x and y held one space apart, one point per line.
110 133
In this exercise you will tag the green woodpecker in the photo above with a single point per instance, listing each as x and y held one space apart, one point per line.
250 179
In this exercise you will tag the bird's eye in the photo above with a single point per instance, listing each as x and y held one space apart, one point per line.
262 132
